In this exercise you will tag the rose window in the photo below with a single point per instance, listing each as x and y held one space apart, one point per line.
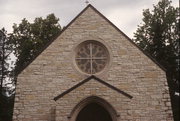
91 57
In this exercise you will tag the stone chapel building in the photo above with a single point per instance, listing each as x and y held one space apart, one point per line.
92 72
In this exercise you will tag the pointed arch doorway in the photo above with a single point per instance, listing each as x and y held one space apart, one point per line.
93 108
93 112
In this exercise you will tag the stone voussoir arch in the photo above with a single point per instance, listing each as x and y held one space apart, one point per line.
93 99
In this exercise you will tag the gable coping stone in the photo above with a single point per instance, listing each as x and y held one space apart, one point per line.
47 45
88 79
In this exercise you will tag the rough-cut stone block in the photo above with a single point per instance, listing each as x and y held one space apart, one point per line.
54 71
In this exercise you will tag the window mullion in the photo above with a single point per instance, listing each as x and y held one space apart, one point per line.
100 58
91 56
83 58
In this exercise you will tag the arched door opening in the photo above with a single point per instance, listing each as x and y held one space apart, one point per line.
93 112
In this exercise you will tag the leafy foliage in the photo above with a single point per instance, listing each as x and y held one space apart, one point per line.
5 51
6 103
158 35
28 38
25 41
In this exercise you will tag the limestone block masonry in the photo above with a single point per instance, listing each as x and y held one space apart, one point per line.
54 71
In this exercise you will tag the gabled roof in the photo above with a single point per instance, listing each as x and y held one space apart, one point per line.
88 79
90 6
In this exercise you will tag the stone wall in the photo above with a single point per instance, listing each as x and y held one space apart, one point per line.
54 71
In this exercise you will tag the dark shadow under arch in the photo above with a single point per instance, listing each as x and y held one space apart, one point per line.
93 112
98 102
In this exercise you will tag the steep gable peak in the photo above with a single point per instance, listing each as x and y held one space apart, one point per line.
89 6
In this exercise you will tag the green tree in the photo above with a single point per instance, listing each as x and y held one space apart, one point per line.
5 51
158 35
28 38
6 102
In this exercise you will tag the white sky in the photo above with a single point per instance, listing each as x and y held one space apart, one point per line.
125 14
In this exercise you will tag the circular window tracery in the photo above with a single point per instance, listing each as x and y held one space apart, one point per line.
91 57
